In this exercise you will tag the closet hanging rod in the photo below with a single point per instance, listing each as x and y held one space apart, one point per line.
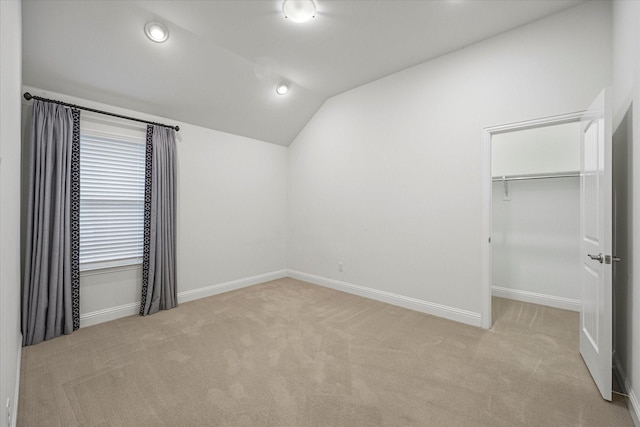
29 97
541 176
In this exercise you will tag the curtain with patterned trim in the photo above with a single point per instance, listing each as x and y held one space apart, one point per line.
159 290
51 290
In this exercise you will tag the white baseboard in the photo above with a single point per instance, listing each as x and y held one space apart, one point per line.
16 393
130 309
208 291
633 405
535 298
107 314
451 313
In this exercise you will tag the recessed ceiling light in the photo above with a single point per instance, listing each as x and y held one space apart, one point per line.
156 32
282 88
299 10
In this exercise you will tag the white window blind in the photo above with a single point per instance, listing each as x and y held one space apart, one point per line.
111 199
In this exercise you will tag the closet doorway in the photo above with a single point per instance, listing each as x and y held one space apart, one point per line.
532 213
535 215
595 219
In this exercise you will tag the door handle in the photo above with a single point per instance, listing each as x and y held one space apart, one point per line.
598 257
607 259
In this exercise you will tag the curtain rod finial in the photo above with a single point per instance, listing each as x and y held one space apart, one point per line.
27 96
177 128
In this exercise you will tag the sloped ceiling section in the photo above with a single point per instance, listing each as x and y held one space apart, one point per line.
223 60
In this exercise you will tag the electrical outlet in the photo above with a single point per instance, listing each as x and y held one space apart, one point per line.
9 415
340 266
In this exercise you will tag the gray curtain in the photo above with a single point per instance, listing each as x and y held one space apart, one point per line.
51 289
159 253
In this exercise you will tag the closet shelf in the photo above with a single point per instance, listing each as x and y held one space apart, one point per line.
571 174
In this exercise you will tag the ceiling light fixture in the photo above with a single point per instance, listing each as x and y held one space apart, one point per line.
156 32
299 10
282 88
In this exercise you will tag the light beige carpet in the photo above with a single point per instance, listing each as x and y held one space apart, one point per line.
287 353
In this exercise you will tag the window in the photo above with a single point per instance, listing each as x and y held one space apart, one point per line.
112 162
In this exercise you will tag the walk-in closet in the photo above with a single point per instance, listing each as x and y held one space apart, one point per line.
536 215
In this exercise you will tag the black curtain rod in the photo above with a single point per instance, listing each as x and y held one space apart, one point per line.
29 97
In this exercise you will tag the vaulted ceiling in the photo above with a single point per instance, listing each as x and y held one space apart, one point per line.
223 60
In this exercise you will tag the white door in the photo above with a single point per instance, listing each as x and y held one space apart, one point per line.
596 234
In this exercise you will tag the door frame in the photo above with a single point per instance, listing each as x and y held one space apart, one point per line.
485 254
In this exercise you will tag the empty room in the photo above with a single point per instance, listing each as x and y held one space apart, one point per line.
319 213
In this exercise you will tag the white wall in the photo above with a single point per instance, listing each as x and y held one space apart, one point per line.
547 149
535 241
626 143
387 177
10 84
231 219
